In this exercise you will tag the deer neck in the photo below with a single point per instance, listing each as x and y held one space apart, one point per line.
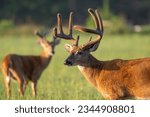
90 70
45 58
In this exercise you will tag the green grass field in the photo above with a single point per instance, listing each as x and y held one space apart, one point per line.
59 82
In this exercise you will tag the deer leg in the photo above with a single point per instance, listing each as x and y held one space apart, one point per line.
7 84
25 85
6 75
35 76
20 79
20 90
34 84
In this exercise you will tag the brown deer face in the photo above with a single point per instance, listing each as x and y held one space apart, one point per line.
48 46
78 55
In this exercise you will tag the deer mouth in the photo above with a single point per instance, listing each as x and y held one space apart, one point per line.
68 63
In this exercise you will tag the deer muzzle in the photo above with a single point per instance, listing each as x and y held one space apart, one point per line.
68 63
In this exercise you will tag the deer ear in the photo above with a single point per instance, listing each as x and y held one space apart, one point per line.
92 47
68 47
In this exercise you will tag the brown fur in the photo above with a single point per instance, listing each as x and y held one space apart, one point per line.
120 79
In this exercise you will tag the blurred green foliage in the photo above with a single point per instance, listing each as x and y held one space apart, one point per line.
112 23
6 24
44 11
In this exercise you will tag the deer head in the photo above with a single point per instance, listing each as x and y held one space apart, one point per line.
48 46
79 55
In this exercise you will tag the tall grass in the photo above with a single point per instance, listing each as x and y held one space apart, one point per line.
61 82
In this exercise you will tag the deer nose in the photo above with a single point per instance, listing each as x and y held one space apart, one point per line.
67 62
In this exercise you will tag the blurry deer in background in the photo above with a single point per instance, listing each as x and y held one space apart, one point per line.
28 68
115 79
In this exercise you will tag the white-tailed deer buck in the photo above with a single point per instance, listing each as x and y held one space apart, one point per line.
28 68
115 79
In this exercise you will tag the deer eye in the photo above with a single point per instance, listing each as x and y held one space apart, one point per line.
79 53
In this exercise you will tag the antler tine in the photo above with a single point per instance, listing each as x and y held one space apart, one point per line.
54 38
39 34
70 23
59 33
59 22
100 22
90 38
94 17
54 32
77 41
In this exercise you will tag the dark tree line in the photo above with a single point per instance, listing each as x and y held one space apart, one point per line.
44 11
